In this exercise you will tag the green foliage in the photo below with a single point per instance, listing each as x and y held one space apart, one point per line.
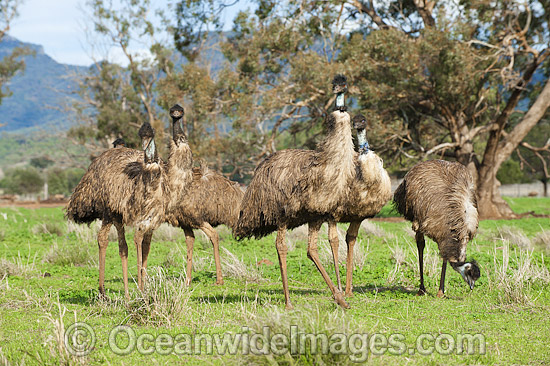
63 181
22 181
510 172
41 162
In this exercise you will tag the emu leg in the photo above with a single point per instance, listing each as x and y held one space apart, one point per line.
215 239
138 239
420 243
282 251
313 254
441 291
103 242
123 253
334 244
145 247
351 237
190 242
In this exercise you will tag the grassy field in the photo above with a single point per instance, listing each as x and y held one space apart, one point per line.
48 288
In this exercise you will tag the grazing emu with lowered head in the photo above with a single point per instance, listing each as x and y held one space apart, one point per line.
439 198
294 187
206 199
370 191
123 187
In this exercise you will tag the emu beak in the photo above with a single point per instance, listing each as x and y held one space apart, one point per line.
471 282
465 273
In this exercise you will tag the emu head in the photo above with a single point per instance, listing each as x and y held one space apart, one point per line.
339 87
176 113
119 142
468 270
147 135
360 124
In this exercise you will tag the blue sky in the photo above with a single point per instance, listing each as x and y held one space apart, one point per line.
59 26
56 25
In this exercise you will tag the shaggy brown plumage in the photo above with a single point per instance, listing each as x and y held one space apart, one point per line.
204 199
293 187
370 191
122 188
439 198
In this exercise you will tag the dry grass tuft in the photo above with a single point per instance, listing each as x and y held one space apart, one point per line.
69 254
17 267
370 228
514 236
514 275
360 252
167 232
409 231
50 228
165 301
319 329
542 240
88 233
296 235
233 267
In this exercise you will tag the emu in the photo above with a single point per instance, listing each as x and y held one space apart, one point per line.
370 191
439 198
123 187
205 199
294 187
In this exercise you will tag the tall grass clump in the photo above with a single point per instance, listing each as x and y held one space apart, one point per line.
399 256
233 267
360 251
514 236
164 302
69 255
313 331
514 276
17 266
50 228
167 232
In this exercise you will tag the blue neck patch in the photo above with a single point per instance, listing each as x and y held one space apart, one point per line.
362 141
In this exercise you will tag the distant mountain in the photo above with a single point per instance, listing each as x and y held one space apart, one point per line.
39 92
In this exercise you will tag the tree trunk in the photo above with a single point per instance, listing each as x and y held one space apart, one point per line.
490 204
499 148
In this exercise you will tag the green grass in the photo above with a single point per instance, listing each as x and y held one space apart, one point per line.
49 281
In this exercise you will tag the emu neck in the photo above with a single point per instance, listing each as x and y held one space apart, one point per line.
362 141
177 132
180 165
337 147
151 153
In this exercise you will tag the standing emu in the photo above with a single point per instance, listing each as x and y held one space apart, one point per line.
294 187
370 191
205 199
123 187
439 198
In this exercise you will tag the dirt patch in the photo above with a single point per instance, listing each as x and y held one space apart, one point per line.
33 204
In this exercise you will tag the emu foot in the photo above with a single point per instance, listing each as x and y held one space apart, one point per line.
289 306
440 294
421 292
340 300
187 282
219 282
348 293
